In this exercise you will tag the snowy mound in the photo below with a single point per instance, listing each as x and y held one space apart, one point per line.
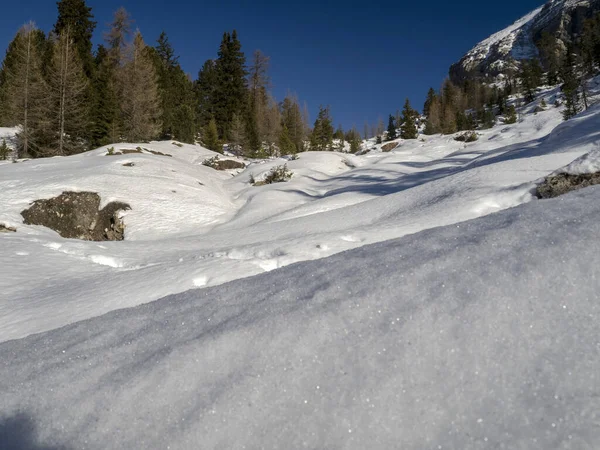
477 336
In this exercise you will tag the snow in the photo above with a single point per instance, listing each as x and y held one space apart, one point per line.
477 335
419 298
191 226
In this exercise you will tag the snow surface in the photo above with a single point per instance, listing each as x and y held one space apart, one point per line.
191 226
479 335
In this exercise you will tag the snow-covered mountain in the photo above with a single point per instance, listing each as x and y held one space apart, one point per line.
561 18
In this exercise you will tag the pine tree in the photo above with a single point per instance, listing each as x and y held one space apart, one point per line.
391 130
176 92
204 88
354 139
210 137
549 52
409 127
76 17
23 86
431 96
231 86
106 112
530 76
140 100
321 138
65 119
571 85
511 115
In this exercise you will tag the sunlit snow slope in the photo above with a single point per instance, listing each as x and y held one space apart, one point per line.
191 226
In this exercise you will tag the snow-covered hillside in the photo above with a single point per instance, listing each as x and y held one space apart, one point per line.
428 299
472 336
191 226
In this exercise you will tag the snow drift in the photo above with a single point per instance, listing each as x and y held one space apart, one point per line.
472 336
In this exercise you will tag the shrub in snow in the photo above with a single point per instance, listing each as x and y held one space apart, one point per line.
279 174
4 150
469 136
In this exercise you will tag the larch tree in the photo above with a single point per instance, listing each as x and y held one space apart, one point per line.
140 100
23 86
293 119
65 119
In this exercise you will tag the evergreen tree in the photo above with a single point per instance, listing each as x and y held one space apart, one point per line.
548 46
140 100
176 92
23 86
204 89
76 16
409 127
231 86
391 131
530 76
210 137
321 138
571 85
431 96
511 115
354 139
106 113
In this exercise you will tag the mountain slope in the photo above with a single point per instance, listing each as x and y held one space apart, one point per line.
561 18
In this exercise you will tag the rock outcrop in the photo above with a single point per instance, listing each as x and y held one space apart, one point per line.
76 215
563 19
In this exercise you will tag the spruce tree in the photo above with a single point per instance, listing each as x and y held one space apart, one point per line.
354 140
176 93
23 86
391 130
548 46
408 129
238 134
511 115
431 96
105 118
321 138
530 76
570 86
210 137
76 16
204 88
231 86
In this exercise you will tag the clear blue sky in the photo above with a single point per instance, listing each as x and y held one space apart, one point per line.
362 60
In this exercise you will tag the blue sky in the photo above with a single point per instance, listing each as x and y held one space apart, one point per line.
361 60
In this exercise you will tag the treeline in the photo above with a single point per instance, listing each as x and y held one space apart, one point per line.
68 98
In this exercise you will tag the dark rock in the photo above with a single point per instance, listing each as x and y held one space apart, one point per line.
389 147
562 183
76 215
129 164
